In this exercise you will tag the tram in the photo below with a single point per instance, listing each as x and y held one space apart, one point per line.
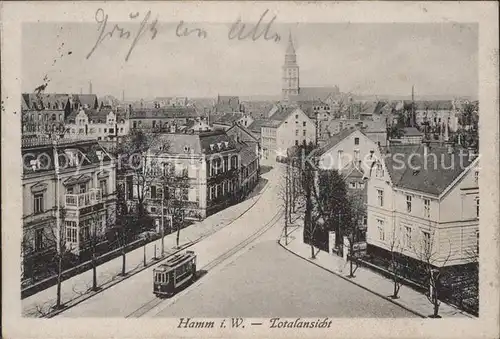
176 272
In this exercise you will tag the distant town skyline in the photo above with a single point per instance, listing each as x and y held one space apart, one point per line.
368 59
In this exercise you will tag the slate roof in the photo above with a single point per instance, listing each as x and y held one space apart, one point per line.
228 118
280 116
199 143
258 108
227 104
164 112
335 139
247 155
428 177
41 101
244 130
315 93
86 150
411 132
257 124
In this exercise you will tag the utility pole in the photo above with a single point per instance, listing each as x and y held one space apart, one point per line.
286 203
162 225
412 105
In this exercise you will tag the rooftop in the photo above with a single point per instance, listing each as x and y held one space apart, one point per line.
431 176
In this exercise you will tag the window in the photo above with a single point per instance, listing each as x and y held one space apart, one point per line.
352 185
296 116
153 192
356 154
39 239
426 237
380 171
381 232
185 194
408 203
71 235
427 208
361 184
105 130
38 203
380 197
304 124
304 133
407 240
111 130
296 143
477 207
226 164
296 132
153 209
103 186
356 141
476 177
83 188
134 125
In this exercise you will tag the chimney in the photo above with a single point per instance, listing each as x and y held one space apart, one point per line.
426 149
449 146
472 154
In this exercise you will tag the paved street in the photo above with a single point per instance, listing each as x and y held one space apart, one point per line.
268 281
130 294
259 279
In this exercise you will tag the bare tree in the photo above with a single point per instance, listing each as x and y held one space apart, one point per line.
433 264
58 238
131 153
396 260
357 213
174 192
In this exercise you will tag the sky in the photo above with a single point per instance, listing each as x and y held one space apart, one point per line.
372 59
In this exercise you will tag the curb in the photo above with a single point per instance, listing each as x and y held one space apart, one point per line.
152 262
355 283
115 282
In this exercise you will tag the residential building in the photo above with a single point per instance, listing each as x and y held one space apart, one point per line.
287 128
227 120
227 104
45 113
425 201
105 124
211 163
350 146
411 136
249 168
162 119
82 190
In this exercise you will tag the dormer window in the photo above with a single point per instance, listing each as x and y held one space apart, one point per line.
212 147
226 143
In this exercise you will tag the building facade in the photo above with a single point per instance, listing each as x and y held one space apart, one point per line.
210 162
287 128
105 124
79 188
425 212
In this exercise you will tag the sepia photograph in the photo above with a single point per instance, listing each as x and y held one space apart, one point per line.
251 172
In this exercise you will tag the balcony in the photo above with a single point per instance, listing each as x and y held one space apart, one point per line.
76 201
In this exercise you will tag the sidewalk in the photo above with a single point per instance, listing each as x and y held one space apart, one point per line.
78 288
369 280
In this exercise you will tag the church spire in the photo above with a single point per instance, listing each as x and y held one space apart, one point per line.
290 50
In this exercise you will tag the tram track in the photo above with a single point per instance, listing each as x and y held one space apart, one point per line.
151 304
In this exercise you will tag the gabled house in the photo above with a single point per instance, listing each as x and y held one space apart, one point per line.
287 128
227 120
425 201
